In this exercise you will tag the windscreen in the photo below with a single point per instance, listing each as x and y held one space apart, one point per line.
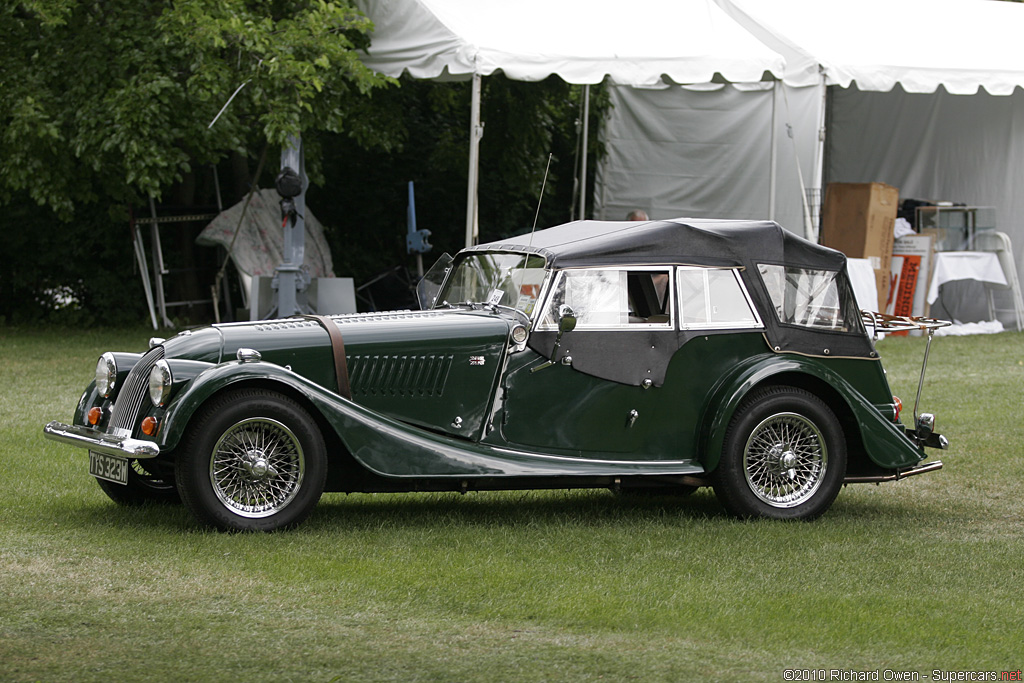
494 278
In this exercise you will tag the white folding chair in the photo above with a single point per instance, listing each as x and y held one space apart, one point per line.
999 242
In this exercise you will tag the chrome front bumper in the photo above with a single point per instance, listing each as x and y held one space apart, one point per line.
101 442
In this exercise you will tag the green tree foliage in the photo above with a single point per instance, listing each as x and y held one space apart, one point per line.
113 99
104 103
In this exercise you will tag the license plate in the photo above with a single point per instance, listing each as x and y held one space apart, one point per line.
109 467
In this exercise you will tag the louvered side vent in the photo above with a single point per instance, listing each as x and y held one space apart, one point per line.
410 376
135 391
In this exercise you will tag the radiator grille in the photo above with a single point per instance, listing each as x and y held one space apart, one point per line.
409 376
134 391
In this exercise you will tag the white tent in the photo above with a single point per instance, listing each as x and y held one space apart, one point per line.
582 41
923 94
961 45
926 89
644 42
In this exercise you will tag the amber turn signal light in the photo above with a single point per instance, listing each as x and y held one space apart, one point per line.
149 426
95 415
898 404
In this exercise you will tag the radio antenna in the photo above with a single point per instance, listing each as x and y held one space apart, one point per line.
541 197
526 256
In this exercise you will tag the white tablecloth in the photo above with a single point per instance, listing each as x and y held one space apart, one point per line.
862 278
964 265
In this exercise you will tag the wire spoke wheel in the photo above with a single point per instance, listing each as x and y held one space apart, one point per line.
783 456
785 460
257 467
253 460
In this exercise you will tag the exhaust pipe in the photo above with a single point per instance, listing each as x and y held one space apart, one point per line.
878 479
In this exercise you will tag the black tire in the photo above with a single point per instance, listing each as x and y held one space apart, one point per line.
784 456
253 460
145 485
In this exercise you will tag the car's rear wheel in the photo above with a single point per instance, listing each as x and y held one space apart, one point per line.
254 460
784 456
146 484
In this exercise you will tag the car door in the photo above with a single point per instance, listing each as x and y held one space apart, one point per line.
649 347
598 399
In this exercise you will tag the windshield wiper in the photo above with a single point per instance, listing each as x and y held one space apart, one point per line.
494 308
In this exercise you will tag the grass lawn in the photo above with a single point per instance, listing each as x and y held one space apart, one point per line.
914 576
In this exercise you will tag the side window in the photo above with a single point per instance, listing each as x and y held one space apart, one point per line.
809 297
713 298
612 298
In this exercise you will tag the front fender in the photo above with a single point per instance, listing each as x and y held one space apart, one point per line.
884 441
212 380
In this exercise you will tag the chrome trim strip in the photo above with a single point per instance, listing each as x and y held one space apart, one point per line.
595 461
84 437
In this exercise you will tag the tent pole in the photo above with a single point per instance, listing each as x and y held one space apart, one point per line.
773 157
583 156
818 172
810 230
475 133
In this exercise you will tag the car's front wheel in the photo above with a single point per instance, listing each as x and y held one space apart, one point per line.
784 456
253 460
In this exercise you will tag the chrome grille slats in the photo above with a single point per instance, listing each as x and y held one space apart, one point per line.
388 375
128 404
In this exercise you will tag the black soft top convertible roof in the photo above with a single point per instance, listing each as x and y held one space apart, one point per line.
681 241
684 241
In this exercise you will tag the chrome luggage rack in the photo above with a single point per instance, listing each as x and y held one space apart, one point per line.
882 322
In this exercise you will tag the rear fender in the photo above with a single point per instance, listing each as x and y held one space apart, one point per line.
883 441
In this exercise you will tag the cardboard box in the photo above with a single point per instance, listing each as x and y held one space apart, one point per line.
858 219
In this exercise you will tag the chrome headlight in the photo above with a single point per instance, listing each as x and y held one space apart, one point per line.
106 375
160 381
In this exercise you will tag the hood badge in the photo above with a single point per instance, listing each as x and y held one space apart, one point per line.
476 360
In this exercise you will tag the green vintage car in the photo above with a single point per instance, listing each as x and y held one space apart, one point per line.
656 356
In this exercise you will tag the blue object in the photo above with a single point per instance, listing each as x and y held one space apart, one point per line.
416 240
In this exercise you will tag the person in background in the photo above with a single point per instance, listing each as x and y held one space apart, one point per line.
637 215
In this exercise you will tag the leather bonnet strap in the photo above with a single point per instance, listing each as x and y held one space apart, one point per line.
338 347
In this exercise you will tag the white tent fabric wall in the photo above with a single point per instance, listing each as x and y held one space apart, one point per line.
938 146
705 152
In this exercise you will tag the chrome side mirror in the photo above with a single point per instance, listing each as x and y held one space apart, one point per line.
566 323
566 320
